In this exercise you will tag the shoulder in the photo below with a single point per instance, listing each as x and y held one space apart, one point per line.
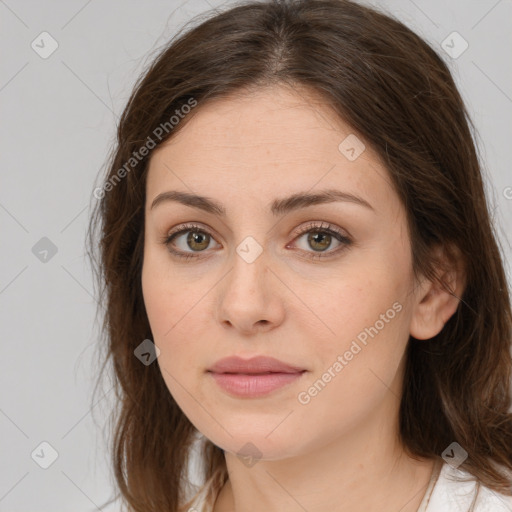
458 491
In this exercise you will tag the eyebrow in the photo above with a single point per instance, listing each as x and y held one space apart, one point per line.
278 206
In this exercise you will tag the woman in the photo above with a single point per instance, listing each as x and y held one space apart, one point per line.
301 275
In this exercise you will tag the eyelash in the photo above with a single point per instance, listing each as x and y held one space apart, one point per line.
315 227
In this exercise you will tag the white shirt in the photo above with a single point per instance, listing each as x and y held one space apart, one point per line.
444 494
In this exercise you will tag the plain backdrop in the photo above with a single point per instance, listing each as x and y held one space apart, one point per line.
58 119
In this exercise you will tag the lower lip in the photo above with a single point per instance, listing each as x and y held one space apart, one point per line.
249 386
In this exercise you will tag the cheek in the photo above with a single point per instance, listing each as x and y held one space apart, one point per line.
157 302
365 322
357 370
359 303
175 306
169 308
168 298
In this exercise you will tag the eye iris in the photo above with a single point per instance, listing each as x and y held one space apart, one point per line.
195 237
314 235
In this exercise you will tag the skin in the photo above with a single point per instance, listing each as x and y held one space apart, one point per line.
340 451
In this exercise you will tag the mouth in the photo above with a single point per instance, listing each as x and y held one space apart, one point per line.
251 385
255 377
254 365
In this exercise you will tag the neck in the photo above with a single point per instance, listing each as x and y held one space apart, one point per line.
363 470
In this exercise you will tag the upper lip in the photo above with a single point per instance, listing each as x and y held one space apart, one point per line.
259 364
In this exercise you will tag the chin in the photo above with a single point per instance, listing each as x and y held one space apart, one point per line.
247 440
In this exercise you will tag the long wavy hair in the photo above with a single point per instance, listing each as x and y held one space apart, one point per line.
395 91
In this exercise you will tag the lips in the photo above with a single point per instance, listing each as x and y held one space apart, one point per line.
255 377
255 365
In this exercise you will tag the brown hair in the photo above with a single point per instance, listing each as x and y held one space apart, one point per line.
398 94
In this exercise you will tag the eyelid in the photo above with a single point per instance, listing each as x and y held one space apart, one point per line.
189 226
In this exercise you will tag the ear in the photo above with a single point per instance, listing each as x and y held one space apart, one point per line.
436 302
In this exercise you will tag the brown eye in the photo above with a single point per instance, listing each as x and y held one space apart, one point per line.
320 239
197 240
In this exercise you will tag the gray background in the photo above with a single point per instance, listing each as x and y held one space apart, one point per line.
59 116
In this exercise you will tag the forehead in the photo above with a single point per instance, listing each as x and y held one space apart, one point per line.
265 141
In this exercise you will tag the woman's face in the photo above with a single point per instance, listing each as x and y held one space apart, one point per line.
261 281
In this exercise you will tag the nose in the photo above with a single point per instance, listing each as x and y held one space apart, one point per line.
251 296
